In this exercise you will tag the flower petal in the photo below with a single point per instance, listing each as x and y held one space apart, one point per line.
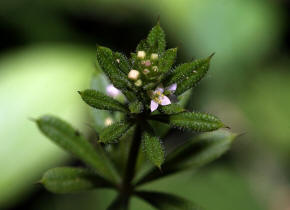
164 100
112 91
153 105
172 88
159 89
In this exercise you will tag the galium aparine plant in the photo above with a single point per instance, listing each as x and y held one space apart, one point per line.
154 90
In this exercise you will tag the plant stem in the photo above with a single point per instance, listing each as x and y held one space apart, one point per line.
130 167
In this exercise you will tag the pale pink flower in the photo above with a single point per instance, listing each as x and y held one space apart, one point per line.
112 91
158 98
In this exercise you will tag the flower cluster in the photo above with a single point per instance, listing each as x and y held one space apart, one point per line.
147 71
146 82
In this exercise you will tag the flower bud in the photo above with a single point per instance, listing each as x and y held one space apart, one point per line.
155 68
108 121
146 71
147 63
133 74
141 54
154 56
138 83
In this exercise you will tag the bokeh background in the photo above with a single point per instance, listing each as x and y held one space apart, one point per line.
47 53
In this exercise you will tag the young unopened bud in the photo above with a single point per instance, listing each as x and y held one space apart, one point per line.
147 63
133 74
141 54
108 121
155 68
146 71
138 83
154 56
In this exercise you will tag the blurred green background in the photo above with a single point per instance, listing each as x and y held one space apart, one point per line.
47 53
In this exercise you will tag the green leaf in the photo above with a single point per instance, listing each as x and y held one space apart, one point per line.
142 46
122 62
119 152
195 121
153 149
167 60
201 149
195 153
171 109
108 63
118 204
166 201
112 133
156 39
71 180
136 107
64 135
99 100
188 75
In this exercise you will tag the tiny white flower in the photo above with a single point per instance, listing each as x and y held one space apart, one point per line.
112 91
108 121
158 98
133 74
154 56
153 105
172 88
141 54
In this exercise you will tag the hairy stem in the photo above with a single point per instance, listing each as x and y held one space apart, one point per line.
130 167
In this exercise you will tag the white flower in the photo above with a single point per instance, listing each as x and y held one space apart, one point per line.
112 91
172 88
108 121
141 54
133 74
158 98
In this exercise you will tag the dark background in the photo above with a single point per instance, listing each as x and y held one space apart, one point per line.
47 52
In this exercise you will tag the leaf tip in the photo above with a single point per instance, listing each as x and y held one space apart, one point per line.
32 119
211 55
226 126
158 20
41 181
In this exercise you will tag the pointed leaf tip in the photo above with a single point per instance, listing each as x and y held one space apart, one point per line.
211 55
